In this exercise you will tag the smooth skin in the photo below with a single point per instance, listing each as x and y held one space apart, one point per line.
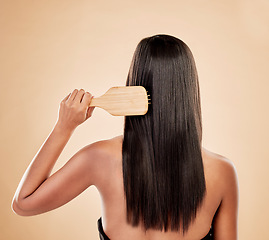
100 164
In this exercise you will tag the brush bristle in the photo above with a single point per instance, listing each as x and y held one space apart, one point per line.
148 98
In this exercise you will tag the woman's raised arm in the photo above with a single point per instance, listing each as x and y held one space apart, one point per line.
39 192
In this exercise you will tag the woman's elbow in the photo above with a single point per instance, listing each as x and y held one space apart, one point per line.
15 206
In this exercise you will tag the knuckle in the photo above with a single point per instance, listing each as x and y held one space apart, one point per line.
82 108
68 105
64 102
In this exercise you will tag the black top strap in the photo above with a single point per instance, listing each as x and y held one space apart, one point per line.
103 236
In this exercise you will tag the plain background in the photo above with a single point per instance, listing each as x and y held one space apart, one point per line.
48 48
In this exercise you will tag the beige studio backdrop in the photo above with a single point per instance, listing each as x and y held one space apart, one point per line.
48 48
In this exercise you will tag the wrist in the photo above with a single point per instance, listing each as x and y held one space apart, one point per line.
63 130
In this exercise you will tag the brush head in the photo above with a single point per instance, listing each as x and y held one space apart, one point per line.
123 101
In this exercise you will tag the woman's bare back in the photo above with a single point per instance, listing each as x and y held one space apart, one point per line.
100 164
218 171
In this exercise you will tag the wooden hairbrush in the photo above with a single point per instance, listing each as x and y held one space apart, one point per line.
123 101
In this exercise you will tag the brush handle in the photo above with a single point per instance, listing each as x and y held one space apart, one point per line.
123 101
98 102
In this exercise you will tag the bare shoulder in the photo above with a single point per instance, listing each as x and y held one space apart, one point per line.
221 169
220 162
103 155
104 148
222 172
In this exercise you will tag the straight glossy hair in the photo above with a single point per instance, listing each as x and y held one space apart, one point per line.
162 164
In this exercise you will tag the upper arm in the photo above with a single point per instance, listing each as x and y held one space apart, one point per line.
80 172
225 220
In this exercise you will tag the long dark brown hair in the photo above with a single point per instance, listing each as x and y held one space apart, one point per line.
162 164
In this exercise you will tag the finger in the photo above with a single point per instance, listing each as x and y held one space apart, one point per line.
72 96
66 97
79 96
86 99
89 112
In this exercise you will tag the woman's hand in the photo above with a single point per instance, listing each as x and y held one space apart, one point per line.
74 109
